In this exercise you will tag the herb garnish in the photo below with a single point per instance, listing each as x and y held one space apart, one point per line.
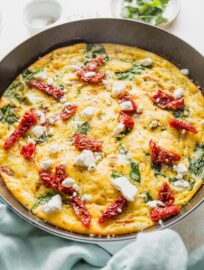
135 171
84 128
181 113
7 114
147 196
115 174
43 138
197 162
157 169
192 183
95 50
130 74
43 199
28 75
15 91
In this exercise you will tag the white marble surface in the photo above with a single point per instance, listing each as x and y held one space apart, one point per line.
189 26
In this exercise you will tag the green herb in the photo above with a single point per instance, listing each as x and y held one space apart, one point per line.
84 128
95 50
7 114
123 134
122 150
115 174
145 10
157 168
15 91
181 113
130 74
147 196
28 75
192 183
147 154
43 199
197 162
135 171
43 138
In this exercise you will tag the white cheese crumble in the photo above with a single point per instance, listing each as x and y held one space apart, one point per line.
89 111
41 75
54 205
117 88
146 62
185 71
86 159
44 165
126 106
50 81
128 190
153 124
155 203
178 93
139 109
120 127
67 104
41 115
89 74
38 131
54 148
181 169
86 197
181 184
68 182
123 159
32 98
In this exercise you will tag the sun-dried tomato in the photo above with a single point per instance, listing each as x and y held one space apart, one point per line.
28 151
128 98
166 195
178 124
161 155
83 142
114 209
90 72
166 101
68 112
6 170
163 212
80 210
47 88
48 179
126 120
29 119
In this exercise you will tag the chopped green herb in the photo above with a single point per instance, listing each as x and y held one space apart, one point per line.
7 114
123 134
160 20
147 196
130 74
43 199
157 168
196 166
43 138
95 50
28 75
147 154
181 113
115 174
135 171
192 183
122 150
15 91
84 128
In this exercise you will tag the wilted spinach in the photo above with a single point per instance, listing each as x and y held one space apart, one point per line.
196 166
84 128
29 74
115 174
43 199
95 50
130 73
7 114
43 138
135 171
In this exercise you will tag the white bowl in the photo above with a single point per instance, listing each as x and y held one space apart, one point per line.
40 15
171 12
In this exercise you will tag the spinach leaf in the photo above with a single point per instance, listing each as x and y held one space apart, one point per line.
43 138
115 174
7 114
196 163
43 199
95 50
84 128
129 74
192 183
157 169
123 134
147 196
28 74
15 91
181 113
135 171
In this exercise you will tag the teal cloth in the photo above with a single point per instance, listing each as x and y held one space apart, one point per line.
24 247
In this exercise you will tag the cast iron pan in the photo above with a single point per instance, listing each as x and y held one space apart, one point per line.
100 31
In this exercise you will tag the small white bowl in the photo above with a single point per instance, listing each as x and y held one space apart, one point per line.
40 15
171 12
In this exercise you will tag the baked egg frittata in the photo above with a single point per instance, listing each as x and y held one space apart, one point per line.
102 139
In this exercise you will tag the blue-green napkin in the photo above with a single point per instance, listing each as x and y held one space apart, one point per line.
24 247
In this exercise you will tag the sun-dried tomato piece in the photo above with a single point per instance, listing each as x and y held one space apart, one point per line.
47 88
6 170
161 155
163 212
28 151
166 101
83 142
166 195
48 179
114 209
90 72
178 124
80 210
29 119
68 112
129 98
126 120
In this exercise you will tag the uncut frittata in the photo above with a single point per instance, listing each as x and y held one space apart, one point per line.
102 139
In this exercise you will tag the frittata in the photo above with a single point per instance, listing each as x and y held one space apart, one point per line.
102 139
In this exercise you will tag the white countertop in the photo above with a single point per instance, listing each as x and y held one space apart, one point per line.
188 26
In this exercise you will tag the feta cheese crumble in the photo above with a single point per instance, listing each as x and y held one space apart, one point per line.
88 111
126 106
181 184
32 98
155 203
178 93
139 109
86 159
185 71
44 165
38 131
41 75
41 115
153 124
68 182
181 169
120 127
117 88
89 74
54 148
128 190
54 205
86 197
146 62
